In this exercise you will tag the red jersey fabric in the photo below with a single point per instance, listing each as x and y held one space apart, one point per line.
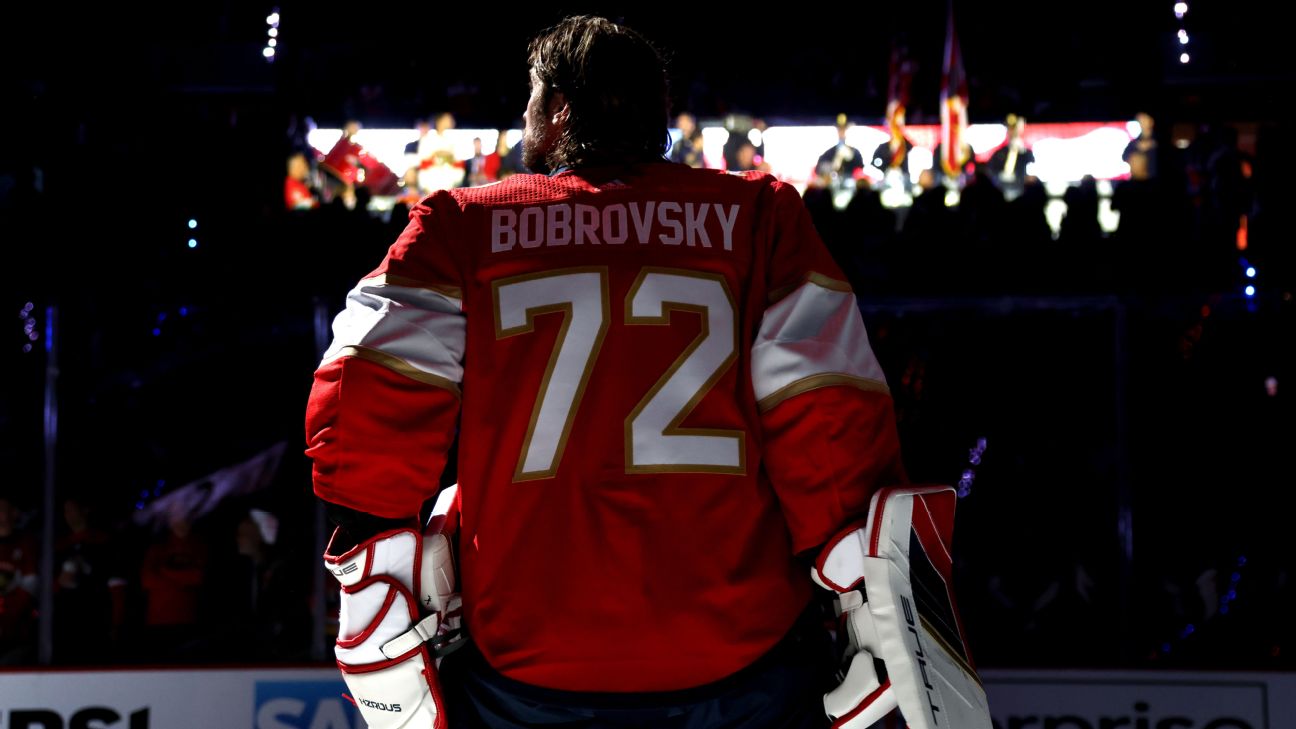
664 392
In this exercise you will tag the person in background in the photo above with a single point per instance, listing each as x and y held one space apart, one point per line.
171 576
475 173
688 150
89 589
1145 144
17 588
297 193
1008 164
841 161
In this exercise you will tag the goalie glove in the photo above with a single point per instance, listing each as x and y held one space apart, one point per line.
398 607
905 641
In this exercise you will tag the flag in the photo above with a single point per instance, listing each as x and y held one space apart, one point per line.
953 101
199 497
900 76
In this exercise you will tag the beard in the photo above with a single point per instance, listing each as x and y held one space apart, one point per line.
536 145
533 158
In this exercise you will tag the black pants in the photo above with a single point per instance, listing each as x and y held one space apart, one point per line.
782 690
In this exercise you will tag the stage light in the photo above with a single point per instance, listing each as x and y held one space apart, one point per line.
192 223
193 242
268 52
1250 291
273 18
754 136
1183 58
272 43
274 33
184 311
1250 272
157 332
1183 37
1181 9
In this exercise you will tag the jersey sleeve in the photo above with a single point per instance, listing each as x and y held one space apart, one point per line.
827 419
381 415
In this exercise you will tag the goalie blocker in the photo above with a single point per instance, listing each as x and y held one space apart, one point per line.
399 607
906 645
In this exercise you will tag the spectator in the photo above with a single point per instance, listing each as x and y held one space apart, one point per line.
171 575
688 150
17 584
297 193
89 592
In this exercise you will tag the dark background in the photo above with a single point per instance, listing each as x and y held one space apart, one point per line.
1097 398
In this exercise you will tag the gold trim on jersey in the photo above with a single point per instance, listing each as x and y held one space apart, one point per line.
397 365
818 279
529 326
673 428
391 279
814 382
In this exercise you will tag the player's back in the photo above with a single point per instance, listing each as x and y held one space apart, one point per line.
610 454
666 392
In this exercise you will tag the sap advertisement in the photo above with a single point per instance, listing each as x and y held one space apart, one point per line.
313 699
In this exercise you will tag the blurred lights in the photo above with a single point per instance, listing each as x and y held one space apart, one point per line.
1271 386
1251 272
1183 37
192 224
1250 291
1181 9
1183 58
193 242
755 137
272 32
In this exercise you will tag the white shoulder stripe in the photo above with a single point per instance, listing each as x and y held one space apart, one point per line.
418 327
813 337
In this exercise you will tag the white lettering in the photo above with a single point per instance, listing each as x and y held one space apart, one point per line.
727 222
531 223
560 232
678 236
503 230
694 217
651 221
587 223
642 222
615 233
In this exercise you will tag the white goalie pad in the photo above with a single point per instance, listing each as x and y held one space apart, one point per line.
896 599
398 601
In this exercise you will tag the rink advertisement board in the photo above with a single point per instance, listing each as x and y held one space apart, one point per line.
312 699
177 699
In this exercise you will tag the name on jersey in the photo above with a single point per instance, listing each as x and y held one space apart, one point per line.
701 225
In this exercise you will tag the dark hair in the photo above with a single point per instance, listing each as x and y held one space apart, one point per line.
615 86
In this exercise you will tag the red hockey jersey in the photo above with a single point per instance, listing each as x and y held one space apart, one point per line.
664 392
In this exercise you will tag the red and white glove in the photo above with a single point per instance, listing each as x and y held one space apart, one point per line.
398 604
906 646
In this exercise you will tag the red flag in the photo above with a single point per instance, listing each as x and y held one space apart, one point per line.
954 101
900 77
